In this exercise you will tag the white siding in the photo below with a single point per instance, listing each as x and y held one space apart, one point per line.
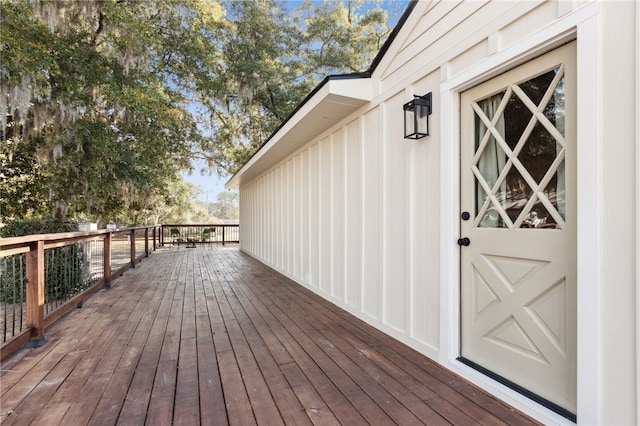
396 213
353 214
314 216
372 224
347 216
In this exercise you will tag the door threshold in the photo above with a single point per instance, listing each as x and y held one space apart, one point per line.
532 396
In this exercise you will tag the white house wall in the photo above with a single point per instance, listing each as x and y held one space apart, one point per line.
349 218
619 142
369 220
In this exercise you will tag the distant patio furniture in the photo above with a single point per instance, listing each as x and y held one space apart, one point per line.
207 233
175 236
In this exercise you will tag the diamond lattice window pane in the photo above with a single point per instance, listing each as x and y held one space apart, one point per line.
555 108
516 194
517 117
539 152
537 87
539 217
519 157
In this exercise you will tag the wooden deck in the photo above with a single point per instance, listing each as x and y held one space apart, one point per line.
211 336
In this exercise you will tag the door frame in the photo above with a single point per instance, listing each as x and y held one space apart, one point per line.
548 378
583 27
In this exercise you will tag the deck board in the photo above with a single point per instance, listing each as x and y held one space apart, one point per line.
209 335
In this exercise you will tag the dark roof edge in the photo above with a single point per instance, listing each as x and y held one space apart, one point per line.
405 15
365 74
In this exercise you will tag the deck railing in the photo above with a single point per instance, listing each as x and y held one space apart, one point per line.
190 235
42 277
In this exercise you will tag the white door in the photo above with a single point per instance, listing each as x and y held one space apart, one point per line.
518 228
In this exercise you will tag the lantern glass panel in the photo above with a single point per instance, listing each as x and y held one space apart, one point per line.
409 123
422 121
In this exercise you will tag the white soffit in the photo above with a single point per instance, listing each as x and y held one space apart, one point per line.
333 101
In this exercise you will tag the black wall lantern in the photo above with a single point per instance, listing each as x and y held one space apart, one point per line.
416 117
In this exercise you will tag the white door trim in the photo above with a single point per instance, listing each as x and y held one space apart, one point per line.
637 211
583 25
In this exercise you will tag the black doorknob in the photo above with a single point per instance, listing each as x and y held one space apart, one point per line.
464 241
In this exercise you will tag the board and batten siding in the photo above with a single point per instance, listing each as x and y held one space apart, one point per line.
349 217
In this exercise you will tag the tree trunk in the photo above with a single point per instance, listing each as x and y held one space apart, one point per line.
61 210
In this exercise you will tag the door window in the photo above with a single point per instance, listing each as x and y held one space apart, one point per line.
519 155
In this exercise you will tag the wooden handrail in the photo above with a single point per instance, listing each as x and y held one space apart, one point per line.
65 236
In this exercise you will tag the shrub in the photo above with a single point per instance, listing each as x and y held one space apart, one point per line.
19 228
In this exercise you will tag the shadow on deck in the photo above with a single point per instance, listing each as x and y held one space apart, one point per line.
212 336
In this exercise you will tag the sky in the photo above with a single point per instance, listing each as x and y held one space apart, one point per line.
212 185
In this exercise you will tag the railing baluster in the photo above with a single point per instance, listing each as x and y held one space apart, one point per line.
108 244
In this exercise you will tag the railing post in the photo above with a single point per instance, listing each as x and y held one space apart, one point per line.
154 237
132 239
161 236
146 242
223 226
35 293
108 244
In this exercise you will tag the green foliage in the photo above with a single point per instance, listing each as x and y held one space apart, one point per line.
342 36
97 122
226 206
23 180
19 228
13 279
66 272
104 103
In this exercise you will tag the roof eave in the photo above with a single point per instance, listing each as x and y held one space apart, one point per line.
332 100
